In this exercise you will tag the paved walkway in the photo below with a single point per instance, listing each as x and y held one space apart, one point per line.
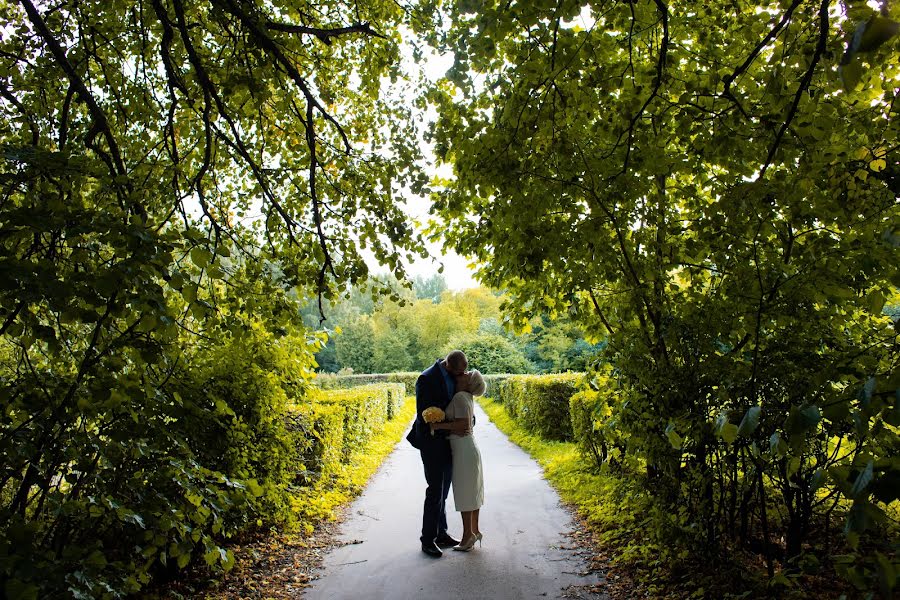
524 553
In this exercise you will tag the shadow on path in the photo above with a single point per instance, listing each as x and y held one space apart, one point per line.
525 554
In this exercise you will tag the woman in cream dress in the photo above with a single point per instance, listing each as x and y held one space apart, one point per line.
468 481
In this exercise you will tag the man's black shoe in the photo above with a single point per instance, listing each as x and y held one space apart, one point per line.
445 541
431 549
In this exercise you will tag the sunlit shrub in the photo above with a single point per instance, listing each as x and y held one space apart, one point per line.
541 402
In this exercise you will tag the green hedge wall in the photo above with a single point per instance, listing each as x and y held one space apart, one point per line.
540 402
328 381
337 423
494 383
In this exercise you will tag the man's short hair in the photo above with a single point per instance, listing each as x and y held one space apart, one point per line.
456 358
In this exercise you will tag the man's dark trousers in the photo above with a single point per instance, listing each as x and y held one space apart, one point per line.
438 462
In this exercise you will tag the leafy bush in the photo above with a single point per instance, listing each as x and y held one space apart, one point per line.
594 429
491 353
494 383
582 408
147 474
238 424
343 420
620 511
541 402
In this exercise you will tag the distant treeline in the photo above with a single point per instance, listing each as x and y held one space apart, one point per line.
423 323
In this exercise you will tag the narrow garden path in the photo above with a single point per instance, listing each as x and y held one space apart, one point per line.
528 549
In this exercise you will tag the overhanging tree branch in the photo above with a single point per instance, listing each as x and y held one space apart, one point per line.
773 33
324 35
59 54
821 46
660 67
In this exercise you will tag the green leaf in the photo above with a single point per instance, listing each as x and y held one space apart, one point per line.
863 515
674 439
189 292
793 466
750 421
777 445
780 580
200 256
254 487
212 555
802 420
128 516
836 410
876 32
850 74
96 559
875 302
862 481
227 558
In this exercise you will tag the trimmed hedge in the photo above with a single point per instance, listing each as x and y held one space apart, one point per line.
328 381
593 426
337 423
494 383
396 393
540 402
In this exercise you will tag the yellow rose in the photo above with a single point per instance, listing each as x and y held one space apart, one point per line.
433 414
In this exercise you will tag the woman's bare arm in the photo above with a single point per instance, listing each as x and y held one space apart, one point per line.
457 426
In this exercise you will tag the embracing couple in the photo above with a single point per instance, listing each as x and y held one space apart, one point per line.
448 450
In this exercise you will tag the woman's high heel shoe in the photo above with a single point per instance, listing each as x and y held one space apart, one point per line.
466 544
478 537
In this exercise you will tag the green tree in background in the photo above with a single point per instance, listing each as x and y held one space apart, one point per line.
353 347
391 353
558 345
430 288
714 189
490 353
412 335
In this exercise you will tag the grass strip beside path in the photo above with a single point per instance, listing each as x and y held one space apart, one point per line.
616 512
619 514
601 501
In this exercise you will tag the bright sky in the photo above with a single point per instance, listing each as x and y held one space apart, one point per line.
456 273
456 270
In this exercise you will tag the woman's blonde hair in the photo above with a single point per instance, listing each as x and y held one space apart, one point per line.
476 382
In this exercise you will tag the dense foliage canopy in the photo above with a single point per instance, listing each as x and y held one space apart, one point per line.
174 172
710 187
715 187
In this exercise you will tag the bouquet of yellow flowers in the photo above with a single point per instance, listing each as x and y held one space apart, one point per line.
433 414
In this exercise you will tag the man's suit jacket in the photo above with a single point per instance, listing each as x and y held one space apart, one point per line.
431 390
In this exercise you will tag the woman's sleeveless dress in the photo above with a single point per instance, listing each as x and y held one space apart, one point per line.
468 481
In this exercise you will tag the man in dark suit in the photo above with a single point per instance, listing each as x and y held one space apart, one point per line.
435 387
